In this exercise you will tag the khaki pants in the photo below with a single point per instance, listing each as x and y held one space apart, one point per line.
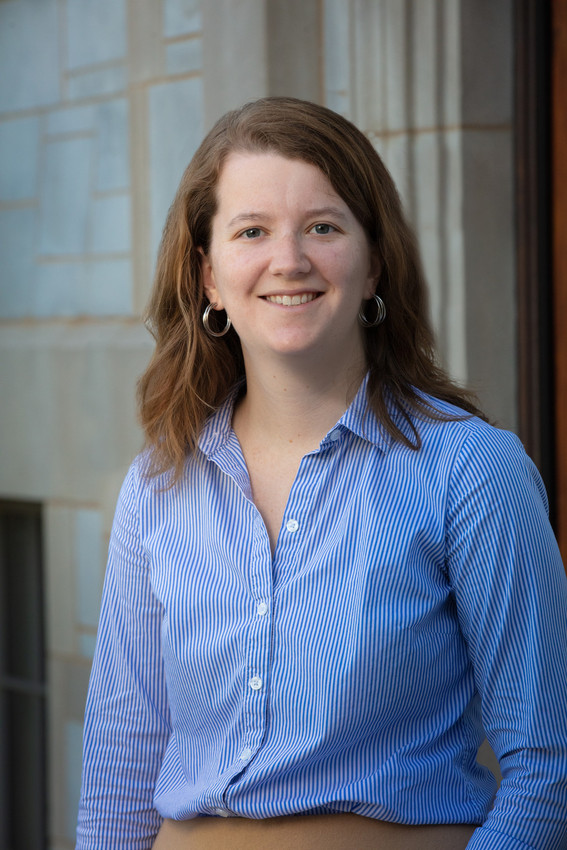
308 832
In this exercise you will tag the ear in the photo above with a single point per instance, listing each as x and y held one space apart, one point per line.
208 278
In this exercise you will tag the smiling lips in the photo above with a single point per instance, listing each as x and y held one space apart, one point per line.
292 300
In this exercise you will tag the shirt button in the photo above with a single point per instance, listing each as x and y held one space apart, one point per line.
335 435
245 754
262 609
222 813
255 683
292 525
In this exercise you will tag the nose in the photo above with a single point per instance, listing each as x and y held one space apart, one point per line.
288 257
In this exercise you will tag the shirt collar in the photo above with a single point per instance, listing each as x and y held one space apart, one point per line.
357 418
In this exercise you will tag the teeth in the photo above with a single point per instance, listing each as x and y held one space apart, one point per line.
291 300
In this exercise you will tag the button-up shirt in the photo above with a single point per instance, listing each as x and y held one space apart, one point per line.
413 600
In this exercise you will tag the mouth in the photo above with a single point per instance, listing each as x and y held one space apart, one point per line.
293 300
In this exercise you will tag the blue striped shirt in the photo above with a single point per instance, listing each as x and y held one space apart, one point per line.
414 597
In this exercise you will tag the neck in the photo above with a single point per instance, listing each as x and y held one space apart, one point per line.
294 404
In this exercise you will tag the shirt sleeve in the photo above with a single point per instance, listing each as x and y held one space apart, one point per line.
511 594
127 721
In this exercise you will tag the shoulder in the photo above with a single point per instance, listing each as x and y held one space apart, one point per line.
478 451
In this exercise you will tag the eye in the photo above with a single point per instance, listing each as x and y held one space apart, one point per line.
251 232
322 229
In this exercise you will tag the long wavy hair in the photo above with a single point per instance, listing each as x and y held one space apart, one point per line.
190 374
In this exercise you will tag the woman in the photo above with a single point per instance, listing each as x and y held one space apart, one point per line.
327 569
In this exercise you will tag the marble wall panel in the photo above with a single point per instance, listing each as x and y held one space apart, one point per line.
68 413
184 57
395 67
71 119
98 83
60 575
110 225
428 168
175 131
108 290
487 59
59 289
489 257
29 51
112 171
87 645
96 32
27 416
235 55
425 56
73 764
182 17
19 155
68 681
18 236
337 56
89 565
64 203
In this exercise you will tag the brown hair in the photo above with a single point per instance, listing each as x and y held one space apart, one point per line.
190 374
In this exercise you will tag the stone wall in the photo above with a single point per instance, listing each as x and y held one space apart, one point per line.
101 106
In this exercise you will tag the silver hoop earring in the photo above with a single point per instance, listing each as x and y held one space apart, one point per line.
208 328
380 314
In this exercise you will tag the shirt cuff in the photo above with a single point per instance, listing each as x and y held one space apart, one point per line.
487 839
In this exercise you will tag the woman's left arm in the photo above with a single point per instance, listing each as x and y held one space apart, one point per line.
511 594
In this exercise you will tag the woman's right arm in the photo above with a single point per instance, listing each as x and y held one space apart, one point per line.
127 719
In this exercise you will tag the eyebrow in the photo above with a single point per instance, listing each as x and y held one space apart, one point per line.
319 212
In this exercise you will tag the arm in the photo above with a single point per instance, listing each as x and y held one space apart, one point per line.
127 719
511 594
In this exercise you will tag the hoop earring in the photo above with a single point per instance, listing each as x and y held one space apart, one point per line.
380 314
208 328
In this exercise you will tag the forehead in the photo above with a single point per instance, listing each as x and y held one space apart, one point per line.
263 176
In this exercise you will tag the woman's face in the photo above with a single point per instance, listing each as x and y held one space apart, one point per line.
288 261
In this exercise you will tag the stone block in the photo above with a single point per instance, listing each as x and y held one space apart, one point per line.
59 289
18 233
368 23
450 46
428 214
87 644
96 32
64 203
453 336
110 225
19 155
73 764
68 682
181 17
184 57
60 573
295 72
113 146
488 222
423 51
235 55
78 380
395 67
89 564
73 119
100 82
29 45
24 460
337 57
176 130
395 151
487 61
108 290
